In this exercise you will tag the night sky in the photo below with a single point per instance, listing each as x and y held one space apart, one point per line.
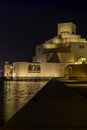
25 24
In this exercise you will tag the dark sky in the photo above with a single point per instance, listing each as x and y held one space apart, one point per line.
25 24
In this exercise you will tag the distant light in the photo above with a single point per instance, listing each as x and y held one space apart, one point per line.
1 71
6 62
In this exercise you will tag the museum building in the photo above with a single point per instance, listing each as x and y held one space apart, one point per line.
61 56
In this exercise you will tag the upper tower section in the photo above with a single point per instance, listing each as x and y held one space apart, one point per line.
69 28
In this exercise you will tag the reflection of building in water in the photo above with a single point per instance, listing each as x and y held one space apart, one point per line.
16 95
53 56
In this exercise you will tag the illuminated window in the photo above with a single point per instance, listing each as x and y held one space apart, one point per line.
81 60
34 68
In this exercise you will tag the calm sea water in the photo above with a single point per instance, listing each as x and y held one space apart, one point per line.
14 95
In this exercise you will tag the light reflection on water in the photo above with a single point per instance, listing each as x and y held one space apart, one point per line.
17 94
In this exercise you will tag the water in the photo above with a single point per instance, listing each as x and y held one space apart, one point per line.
14 95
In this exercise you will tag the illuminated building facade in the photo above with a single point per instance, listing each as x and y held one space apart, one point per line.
54 55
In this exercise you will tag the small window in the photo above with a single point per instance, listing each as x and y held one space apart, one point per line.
30 68
38 68
39 49
81 46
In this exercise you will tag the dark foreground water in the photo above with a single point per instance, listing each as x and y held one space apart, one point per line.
14 95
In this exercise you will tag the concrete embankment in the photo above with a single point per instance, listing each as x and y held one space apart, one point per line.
55 107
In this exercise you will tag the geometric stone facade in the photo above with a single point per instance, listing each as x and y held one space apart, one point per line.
54 55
